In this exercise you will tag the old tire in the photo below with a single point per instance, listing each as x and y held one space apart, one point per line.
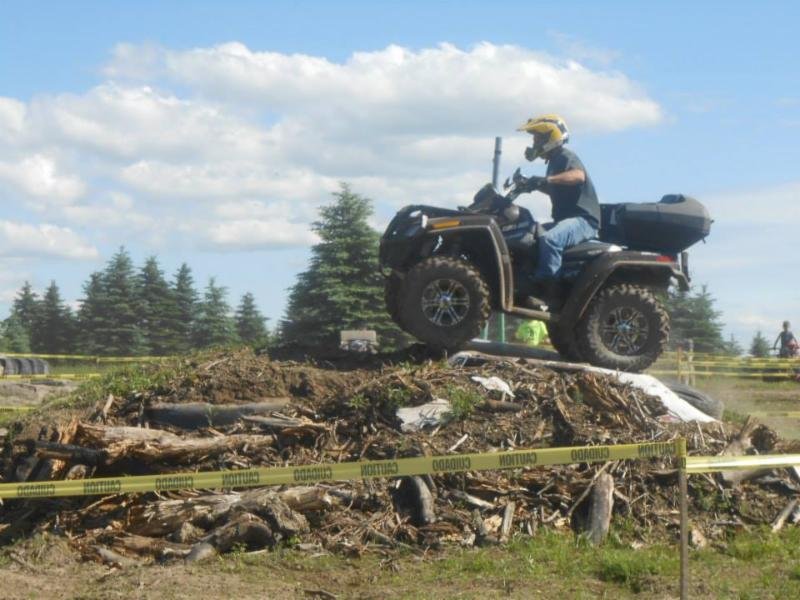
564 342
40 367
392 289
445 302
9 366
701 401
25 366
625 327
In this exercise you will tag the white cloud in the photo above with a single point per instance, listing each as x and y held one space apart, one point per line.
135 121
230 147
434 90
253 234
22 240
39 177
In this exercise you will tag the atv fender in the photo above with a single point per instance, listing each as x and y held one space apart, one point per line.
480 239
621 267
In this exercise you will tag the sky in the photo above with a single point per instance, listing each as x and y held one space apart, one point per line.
211 132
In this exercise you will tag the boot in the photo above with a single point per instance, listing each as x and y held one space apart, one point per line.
546 295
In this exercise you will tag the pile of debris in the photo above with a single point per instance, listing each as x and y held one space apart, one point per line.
239 410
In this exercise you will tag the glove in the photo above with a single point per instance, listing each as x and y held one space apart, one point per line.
535 183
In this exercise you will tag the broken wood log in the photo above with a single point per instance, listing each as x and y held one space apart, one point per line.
201 551
245 529
156 446
471 500
143 545
601 508
196 415
71 453
168 516
737 447
501 406
787 511
508 521
113 559
415 495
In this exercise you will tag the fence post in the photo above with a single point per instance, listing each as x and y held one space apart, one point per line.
683 490
680 360
690 378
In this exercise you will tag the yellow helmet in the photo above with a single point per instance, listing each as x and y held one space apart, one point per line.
549 132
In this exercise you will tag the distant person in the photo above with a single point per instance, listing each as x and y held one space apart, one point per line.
531 332
787 341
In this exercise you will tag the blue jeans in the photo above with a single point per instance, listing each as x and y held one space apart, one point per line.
561 235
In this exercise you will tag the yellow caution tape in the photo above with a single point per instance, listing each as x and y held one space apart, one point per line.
21 408
790 414
424 465
87 357
54 376
711 464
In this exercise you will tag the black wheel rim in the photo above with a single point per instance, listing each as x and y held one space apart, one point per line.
445 302
625 331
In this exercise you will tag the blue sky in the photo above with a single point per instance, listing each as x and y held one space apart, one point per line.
209 132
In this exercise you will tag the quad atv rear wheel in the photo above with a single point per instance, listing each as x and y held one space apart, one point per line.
563 340
625 327
445 302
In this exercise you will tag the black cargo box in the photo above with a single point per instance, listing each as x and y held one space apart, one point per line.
668 226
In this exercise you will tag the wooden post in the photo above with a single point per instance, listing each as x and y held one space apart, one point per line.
683 490
680 360
690 379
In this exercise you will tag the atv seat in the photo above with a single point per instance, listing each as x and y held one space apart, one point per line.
588 250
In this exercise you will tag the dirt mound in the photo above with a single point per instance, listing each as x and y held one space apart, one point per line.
240 410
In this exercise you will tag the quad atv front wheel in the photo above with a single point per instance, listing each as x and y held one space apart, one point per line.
392 290
445 302
625 327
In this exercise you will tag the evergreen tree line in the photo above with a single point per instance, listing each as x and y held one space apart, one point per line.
131 312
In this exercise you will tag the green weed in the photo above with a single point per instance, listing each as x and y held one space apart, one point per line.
463 401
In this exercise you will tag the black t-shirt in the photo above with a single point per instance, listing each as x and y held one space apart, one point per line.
786 338
572 200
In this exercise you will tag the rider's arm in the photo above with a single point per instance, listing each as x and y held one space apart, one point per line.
570 177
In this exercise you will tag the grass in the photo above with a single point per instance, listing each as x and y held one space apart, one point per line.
463 401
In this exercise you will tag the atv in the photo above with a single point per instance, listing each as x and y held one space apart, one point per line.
446 270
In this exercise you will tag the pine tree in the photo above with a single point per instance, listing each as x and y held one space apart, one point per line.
732 347
250 324
13 336
92 320
693 316
182 321
342 288
54 328
214 326
25 307
119 333
759 347
157 308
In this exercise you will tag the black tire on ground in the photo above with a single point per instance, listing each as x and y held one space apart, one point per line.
625 327
40 367
564 342
701 401
392 289
17 366
9 366
25 366
445 303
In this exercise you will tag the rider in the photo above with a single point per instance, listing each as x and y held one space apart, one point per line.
785 337
575 209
